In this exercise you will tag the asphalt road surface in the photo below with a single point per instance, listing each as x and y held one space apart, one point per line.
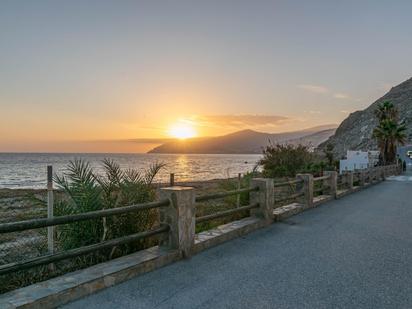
355 252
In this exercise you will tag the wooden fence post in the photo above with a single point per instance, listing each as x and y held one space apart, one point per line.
306 187
350 180
362 177
373 172
265 196
239 179
180 216
50 213
333 182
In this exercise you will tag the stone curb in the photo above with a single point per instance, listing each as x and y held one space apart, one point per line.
61 290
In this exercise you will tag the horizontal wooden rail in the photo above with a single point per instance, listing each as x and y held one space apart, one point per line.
321 178
289 197
320 189
225 213
287 183
214 196
39 223
51 258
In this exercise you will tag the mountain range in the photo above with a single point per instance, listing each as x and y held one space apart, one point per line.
354 133
246 141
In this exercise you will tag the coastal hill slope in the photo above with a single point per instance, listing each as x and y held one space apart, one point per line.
245 141
355 132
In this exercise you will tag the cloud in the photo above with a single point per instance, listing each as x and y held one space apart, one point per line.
314 88
319 89
240 121
341 96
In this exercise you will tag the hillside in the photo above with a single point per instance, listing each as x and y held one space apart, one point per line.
246 141
314 139
355 132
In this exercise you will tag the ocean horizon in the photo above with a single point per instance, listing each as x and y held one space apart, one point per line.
21 170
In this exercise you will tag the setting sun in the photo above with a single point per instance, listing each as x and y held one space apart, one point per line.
182 131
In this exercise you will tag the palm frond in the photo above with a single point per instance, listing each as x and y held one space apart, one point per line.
152 172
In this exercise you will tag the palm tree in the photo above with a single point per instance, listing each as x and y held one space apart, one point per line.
389 133
386 110
397 137
83 191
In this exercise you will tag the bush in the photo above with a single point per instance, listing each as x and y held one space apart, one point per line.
84 191
285 160
81 194
81 190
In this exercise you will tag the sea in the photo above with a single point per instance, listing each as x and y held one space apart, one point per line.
29 170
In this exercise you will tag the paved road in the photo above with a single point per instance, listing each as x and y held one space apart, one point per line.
355 252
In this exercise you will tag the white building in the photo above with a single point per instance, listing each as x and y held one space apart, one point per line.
358 160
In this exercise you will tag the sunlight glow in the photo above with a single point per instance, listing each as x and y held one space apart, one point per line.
182 131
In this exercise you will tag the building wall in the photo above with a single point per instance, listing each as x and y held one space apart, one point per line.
357 160
351 165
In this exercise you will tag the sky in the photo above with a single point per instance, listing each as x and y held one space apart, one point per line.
100 76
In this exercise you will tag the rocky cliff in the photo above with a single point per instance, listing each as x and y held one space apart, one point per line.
355 132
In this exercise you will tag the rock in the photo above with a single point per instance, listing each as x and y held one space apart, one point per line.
355 132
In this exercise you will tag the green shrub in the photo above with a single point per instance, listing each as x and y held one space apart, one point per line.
84 191
81 194
285 160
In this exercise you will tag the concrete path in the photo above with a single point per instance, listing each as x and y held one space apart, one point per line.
355 252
